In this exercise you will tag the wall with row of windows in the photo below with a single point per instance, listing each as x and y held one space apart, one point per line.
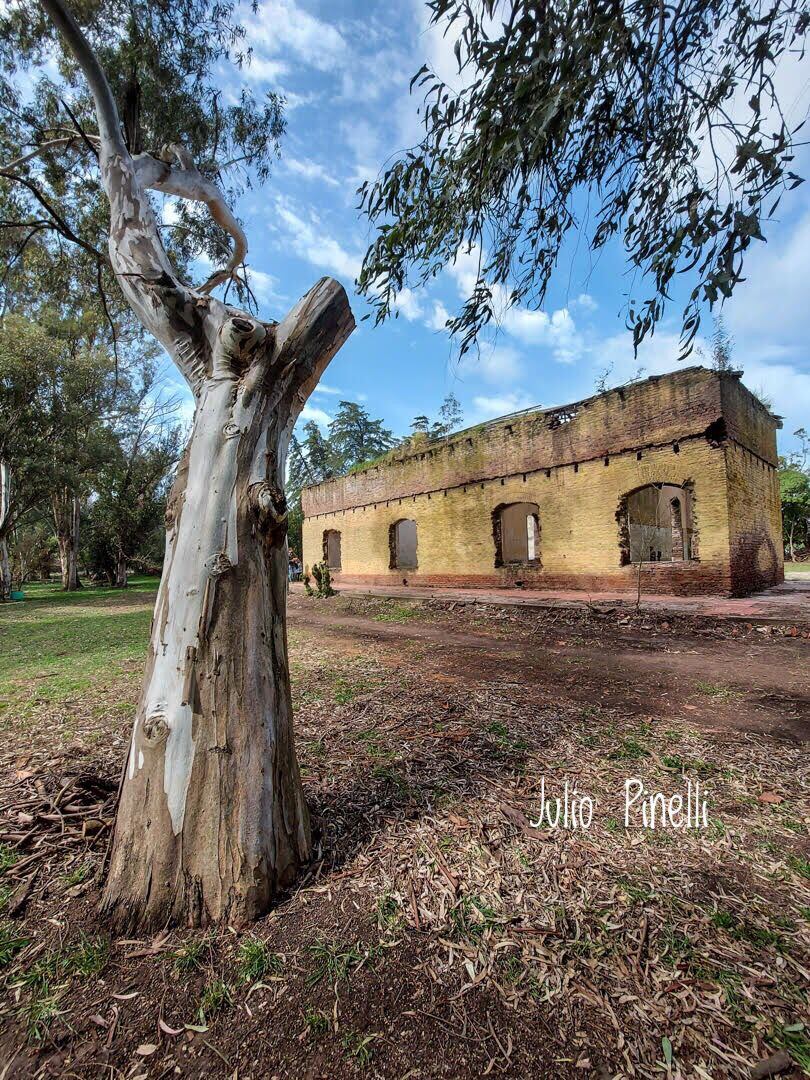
589 522
656 520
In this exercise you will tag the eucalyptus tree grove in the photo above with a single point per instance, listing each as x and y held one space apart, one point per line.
212 820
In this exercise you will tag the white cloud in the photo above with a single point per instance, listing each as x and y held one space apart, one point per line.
584 302
322 388
498 364
365 143
408 304
556 332
786 385
283 27
465 269
262 69
487 408
439 316
312 412
774 295
309 170
656 355
264 286
314 245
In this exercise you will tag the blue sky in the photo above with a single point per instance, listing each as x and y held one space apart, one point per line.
345 68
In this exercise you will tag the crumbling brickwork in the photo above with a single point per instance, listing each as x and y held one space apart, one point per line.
698 429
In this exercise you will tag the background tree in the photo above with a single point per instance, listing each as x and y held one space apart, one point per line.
657 124
354 437
125 518
32 550
52 400
212 820
450 418
319 459
311 461
88 393
794 488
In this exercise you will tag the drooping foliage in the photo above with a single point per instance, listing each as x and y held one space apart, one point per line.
657 124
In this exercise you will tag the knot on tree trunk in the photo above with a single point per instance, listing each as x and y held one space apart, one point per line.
269 505
155 728
217 564
240 337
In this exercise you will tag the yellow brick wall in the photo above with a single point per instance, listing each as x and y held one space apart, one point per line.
579 540
755 514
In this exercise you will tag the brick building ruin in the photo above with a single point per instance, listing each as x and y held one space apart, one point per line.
677 473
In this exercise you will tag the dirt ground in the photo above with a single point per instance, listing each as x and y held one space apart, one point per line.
438 931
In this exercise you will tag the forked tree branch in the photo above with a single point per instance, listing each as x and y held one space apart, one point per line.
307 339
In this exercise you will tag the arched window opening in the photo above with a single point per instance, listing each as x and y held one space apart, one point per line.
516 531
331 548
659 524
402 541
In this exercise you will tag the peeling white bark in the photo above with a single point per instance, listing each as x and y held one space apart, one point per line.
201 545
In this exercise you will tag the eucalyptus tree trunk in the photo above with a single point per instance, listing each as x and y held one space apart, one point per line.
212 821
120 569
5 571
67 516
5 504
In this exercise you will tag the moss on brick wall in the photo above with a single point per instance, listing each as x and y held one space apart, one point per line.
659 411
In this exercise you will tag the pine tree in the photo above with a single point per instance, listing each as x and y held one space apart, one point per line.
354 437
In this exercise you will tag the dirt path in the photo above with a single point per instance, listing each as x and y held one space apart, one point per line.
721 683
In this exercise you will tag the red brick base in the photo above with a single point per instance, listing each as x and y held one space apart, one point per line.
676 579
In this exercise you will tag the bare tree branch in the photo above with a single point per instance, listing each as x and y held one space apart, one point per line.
51 144
189 183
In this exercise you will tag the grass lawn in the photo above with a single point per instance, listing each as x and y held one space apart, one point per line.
797 567
54 645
